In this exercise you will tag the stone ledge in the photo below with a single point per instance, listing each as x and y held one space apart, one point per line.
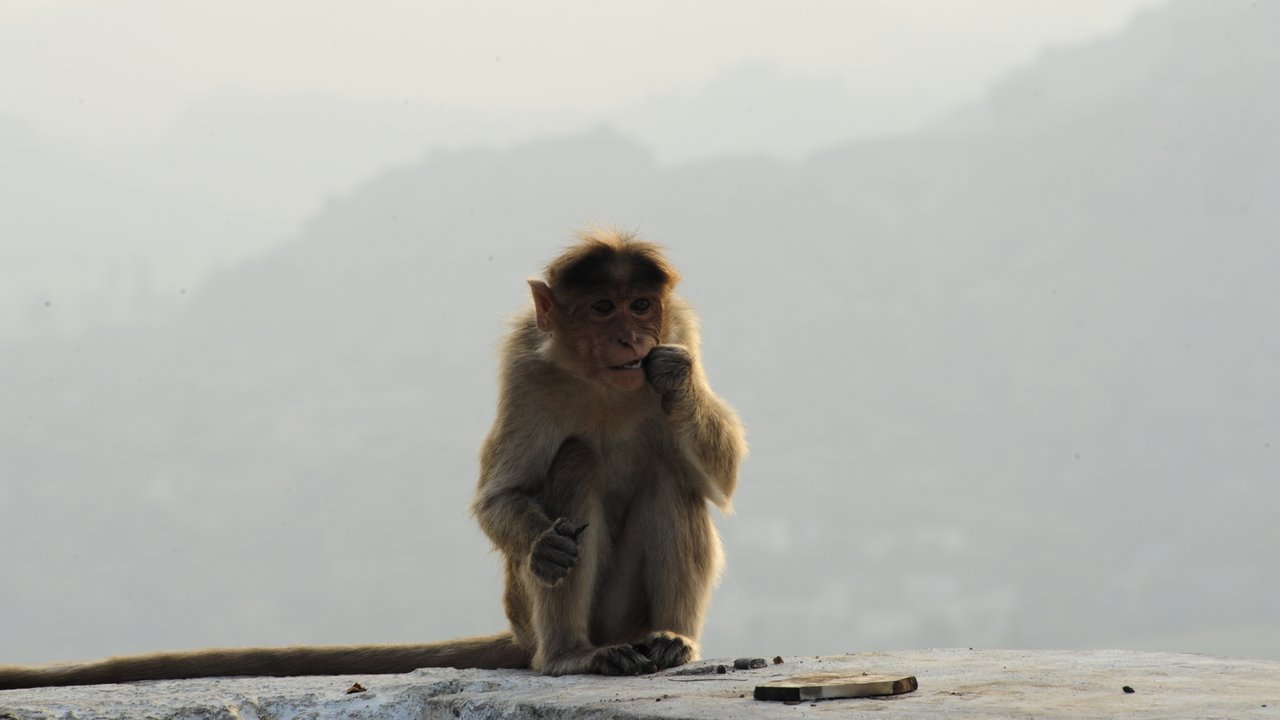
953 684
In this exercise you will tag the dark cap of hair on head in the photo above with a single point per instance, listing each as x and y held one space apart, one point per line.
606 258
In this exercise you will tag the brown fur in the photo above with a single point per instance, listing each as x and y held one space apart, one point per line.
594 485
636 466
494 651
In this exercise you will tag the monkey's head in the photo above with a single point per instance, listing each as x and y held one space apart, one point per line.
603 302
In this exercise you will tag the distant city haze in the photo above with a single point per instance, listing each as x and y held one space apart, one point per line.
991 284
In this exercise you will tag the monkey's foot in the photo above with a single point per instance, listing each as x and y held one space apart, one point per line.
668 649
620 660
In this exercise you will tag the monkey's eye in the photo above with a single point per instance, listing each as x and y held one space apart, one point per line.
640 305
603 307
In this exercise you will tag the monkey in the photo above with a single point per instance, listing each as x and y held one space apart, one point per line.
607 447
607 450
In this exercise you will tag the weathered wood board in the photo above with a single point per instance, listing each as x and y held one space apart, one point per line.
828 686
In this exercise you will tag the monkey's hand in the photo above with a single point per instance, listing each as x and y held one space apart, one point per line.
555 552
669 370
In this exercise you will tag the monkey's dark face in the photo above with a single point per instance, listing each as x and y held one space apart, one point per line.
606 324
614 331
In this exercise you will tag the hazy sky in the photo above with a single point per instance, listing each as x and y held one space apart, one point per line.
170 101
96 69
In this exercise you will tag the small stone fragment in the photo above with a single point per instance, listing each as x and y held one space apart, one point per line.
357 688
777 659
720 669
749 663
1128 689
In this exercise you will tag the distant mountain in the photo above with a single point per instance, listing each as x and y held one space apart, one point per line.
84 244
1182 51
1007 382
281 154
761 108
235 173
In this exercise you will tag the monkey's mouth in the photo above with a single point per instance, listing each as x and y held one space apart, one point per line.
633 365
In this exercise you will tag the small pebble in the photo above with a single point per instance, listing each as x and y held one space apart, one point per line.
749 663
1127 689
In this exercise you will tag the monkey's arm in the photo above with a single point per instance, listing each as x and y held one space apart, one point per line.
515 455
706 429
511 505
507 511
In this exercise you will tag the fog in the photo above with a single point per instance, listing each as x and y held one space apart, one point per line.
993 289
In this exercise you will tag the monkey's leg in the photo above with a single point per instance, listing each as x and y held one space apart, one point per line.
561 613
680 569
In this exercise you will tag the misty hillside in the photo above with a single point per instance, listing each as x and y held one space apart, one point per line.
1010 374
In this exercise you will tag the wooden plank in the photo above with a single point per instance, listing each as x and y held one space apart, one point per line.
828 686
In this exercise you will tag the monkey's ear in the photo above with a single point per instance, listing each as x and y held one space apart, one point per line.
543 304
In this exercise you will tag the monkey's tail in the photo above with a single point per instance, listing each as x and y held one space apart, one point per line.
484 652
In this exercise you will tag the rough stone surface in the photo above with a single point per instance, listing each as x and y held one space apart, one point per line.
953 684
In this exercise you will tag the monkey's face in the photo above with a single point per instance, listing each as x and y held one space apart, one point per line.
615 332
